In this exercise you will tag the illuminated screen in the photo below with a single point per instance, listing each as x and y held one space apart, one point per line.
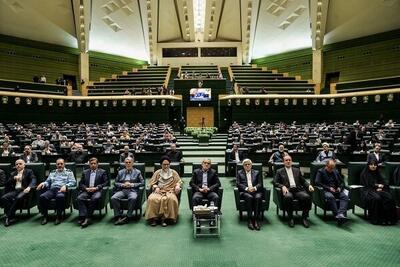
200 94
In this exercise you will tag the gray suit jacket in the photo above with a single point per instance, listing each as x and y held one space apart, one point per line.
136 179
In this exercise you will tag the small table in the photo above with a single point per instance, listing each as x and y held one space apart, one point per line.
203 217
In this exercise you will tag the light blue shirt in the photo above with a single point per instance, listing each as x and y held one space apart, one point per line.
92 178
58 179
205 179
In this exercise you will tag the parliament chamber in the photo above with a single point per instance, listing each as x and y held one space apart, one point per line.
199 133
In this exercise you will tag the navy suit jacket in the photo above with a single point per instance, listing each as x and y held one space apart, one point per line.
28 179
241 180
100 181
282 179
212 180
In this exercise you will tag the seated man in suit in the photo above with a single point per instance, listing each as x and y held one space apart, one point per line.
91 184
330 179
78 155
236 155
18 187
28 156
174 155
127 185
250 185
293 186
278 155
125 154
57 184
205 184
325 154
376 155
3 178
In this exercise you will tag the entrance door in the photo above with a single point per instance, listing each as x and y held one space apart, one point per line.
71 80
200 116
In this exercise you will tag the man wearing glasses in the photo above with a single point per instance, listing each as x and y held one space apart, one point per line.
57 185
127 185
18 187
250 187
205 184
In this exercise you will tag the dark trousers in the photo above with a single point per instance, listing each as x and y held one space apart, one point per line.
302 197
10 201
211 196
332 204
130 195
47 196
381 207
86 203
253 203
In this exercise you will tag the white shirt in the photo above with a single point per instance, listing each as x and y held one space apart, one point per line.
377 156
289 172
237 159
18 184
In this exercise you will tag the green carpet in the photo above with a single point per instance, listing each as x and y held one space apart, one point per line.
358 243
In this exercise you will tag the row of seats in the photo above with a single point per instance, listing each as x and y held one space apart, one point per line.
152 77
252 80
369 84
30 87
353 185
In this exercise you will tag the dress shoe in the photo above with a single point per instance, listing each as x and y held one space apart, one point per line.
57 221
291 223
44 221
306 223
250 225
81 220
153 223
163 223
121 221
85 223
257 226
8 222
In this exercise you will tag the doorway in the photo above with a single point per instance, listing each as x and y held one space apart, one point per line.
200 116
331 77
71 80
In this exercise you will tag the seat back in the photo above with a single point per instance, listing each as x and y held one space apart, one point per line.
138 165
173 165
68 165
104 165
355 169
256 166
198 166
7 168
39 170
389 169
314 167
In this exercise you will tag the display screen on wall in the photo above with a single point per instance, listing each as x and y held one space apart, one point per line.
200 94
180 52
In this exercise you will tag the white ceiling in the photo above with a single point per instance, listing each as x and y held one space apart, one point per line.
121 26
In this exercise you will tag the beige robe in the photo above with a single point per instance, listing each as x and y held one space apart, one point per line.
163 205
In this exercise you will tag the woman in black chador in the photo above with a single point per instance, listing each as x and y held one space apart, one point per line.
375 193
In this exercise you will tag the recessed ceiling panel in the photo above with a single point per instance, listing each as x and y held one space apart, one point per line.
230 24
49 21
117 28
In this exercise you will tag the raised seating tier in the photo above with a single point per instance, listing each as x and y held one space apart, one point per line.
30 87
254 80
369 84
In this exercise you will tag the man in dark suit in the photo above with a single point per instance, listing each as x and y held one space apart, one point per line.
91 185
236 155
250 186
376 155
205 184
125 154
293 186
127 185
28 156
330 179
173 154
18 187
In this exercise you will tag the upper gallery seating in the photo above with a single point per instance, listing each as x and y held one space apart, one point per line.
253 80
369 84
31 87
138 82
200 72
